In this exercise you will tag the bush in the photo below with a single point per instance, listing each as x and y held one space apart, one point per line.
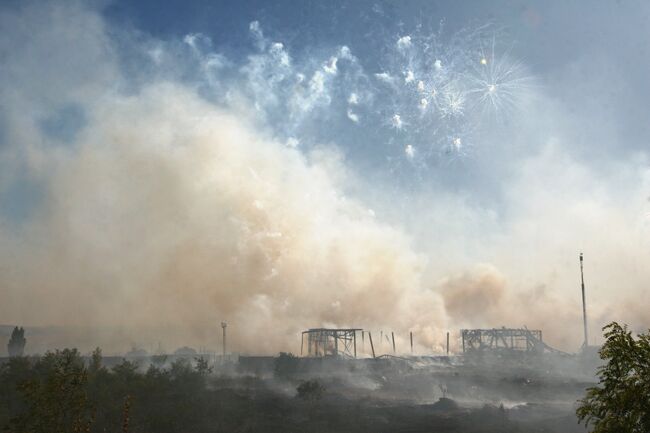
310 390
620 403
60 393
55 395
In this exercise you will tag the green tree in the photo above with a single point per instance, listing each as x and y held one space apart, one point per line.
16 345
55 396
202 366
96 361
13 373
620 403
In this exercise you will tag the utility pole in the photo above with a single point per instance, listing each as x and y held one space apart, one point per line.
584 303
223 326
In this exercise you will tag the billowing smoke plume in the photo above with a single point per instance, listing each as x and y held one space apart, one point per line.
172 213
148 206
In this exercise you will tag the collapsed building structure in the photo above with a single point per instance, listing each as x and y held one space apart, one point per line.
342 342
504 340
323 342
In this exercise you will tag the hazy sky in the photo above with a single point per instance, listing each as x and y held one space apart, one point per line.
421 165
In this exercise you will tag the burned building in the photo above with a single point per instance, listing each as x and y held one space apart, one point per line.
323 342
504 340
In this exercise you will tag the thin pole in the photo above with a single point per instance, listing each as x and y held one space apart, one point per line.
411 334
584 303
392 335
355 343
372 346
336 343
223 327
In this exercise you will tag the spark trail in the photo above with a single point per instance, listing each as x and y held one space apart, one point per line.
432 97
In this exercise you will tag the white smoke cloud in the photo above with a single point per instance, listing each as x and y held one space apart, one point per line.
404 42
191 201
169 210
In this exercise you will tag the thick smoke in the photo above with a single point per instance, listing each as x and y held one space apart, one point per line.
146 207
172 213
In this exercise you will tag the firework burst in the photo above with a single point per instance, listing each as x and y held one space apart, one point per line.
498 83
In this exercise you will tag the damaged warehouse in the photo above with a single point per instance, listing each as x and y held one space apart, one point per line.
330 342
504 340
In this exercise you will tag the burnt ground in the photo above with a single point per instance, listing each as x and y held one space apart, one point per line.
274 412
289 394
395 396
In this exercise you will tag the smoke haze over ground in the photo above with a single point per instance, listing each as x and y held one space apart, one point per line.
154 184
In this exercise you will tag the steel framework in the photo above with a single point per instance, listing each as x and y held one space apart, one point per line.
504 339
330 342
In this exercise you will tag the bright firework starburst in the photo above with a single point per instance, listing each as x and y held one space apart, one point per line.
499 83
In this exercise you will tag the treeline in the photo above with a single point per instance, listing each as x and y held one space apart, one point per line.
60 392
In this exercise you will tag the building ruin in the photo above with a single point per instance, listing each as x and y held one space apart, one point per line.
322 342
504 339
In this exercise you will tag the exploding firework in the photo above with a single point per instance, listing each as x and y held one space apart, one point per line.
499 83
425 101
443 91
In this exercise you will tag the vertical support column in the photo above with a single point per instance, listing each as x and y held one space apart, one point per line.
354 337
462 333
372 346
411 334
336 343
392 336
312 348
223 327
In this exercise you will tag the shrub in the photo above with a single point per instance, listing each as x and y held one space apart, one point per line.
620 403
310 390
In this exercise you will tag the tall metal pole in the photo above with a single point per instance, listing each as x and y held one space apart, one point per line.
372 346
584 303
336 344
223 326
411 334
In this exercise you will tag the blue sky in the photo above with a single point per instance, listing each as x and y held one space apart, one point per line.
472 148
587 60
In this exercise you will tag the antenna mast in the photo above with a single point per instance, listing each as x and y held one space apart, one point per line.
584 304
223 326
